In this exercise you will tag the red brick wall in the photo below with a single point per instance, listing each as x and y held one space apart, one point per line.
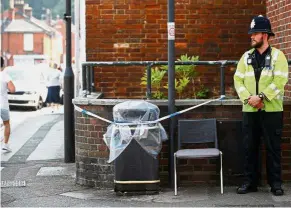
279 13
127 30
92 153
13 43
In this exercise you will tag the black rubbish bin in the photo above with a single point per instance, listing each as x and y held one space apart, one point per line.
138 174
137 166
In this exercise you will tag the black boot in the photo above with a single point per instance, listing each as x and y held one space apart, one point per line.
246 188
277 190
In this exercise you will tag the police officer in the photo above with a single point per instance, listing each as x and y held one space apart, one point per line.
259 80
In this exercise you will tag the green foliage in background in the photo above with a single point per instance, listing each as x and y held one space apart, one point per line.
57 7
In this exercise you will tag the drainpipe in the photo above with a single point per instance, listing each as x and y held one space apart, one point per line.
81 38
1 19
77 48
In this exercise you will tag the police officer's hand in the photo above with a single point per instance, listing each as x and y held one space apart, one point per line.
254 100
260 105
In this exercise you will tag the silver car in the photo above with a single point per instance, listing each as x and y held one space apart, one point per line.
30 84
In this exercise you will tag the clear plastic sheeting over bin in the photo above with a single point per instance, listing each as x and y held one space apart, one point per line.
148 136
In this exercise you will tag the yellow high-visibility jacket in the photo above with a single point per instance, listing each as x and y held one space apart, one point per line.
271 82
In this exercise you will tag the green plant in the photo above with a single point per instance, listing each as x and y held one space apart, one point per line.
184 74
180 85
202 93
187 70
156 78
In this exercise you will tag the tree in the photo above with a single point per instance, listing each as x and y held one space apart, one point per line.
57 7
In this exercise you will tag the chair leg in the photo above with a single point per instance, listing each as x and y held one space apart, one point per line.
221 174
175 174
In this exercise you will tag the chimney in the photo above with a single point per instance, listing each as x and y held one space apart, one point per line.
48 17
42 17
19 5
11 11
27 11
11 4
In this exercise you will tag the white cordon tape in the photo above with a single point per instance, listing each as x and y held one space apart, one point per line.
91 114
147 122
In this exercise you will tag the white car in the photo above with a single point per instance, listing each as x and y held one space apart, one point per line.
30 84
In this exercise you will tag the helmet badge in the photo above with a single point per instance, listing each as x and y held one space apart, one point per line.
253 24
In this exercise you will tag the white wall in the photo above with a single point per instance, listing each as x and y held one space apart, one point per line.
80 43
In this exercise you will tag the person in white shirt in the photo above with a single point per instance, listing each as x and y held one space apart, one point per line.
6 84
54 86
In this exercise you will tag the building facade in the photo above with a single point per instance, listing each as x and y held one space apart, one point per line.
27 40
137 31
279 13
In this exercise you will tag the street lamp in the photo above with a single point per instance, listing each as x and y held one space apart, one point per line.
69 133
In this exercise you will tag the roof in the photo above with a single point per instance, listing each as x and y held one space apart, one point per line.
52 29
42 24
60 22
21 25
29 24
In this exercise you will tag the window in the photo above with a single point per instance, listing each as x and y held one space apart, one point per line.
28 42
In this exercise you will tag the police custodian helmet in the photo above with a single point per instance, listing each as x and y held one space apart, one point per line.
261 24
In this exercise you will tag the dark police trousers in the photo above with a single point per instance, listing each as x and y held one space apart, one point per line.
269 125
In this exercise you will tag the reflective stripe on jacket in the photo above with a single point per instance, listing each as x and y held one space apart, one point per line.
271 82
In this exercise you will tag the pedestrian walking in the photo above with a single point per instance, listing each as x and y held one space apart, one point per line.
54 80
259 80
6 85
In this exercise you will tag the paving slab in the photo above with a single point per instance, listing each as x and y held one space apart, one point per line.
56 171
52 146
24 132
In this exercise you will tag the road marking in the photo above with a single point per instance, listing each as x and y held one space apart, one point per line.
52 146
15 183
